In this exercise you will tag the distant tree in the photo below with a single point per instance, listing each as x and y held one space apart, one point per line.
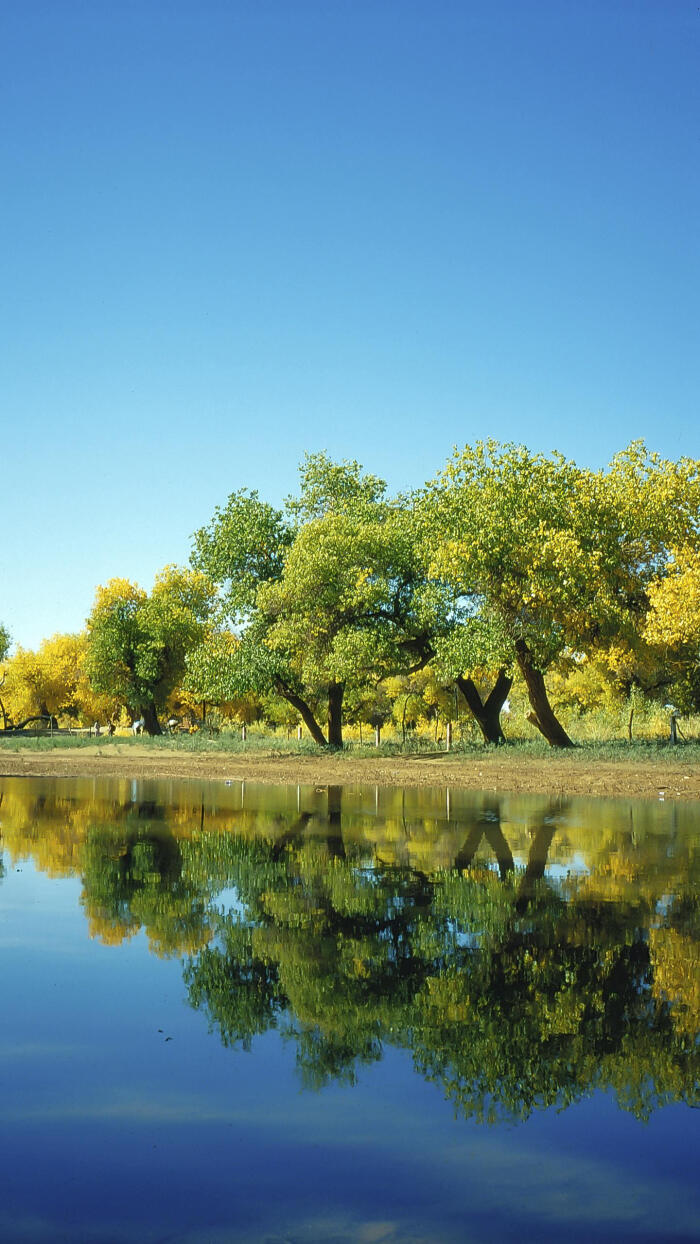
138 644
51 682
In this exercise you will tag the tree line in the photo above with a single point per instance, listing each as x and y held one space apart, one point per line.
507 565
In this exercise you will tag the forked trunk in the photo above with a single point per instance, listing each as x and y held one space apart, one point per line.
536 861
487 713
542 715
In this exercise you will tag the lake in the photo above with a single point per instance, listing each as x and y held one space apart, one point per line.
330 1016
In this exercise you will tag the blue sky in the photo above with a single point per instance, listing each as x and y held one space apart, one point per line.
237 231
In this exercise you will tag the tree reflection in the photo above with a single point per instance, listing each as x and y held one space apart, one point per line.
511 996
515 986
133 878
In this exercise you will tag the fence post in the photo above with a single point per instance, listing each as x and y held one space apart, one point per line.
244 732
299 734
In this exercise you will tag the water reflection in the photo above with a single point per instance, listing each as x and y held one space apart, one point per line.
524 951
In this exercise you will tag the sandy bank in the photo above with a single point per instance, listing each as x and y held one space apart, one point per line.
556 773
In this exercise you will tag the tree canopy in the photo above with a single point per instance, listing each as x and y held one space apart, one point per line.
137 644
53 682
329 594
553 557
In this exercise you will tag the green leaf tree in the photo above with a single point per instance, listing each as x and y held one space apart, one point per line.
551 557
137 644
328 594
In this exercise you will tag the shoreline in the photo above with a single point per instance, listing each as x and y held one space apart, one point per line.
564 773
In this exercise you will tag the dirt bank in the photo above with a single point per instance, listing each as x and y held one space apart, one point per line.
568 773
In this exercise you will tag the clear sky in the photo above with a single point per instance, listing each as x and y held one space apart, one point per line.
238 230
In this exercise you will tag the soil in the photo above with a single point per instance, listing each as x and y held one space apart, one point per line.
570 773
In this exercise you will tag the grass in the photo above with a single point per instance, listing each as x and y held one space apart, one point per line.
609 751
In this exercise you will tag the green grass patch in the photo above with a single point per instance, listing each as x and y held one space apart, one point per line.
616 750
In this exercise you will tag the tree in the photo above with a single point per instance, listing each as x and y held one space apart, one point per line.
550 557
673 623
137 644
52 683
478 646
500 519
133 878
513 991
328 594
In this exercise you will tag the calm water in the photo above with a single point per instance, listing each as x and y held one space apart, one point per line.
236 1013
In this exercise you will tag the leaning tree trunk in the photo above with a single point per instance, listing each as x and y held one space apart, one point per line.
304 712
537 860
487 713
150 720
335 714
542 715
50 717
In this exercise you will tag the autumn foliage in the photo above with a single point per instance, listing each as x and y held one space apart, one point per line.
512 575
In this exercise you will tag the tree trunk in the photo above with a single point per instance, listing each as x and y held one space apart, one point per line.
467 851
336 846
335 714
536 862
150 720
498 844
304 712
542 715
51 718
487 713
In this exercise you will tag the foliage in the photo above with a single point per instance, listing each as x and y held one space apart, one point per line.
351 605
509 997
351 601
551 558
53 682
331 596
500 522
137 644
204 683
514 987
673 624
244 546
133 878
